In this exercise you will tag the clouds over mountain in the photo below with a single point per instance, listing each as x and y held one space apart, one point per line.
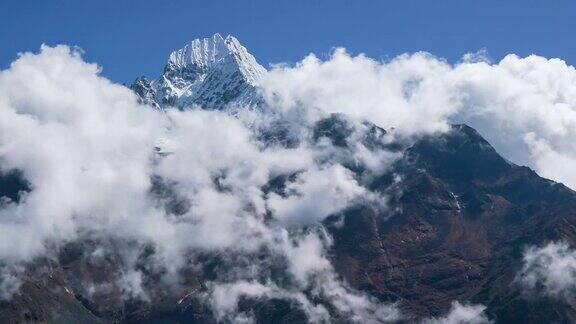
82 142
549 270
251 188
526 107
103 167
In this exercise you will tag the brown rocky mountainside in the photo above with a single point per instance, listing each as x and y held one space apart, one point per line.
463 218
457 224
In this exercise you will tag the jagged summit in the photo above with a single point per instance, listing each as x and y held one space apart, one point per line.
201 53
211 72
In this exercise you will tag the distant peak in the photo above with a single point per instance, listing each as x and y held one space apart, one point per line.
203 53
210 72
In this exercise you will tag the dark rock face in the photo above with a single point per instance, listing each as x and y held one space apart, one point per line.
143 89
44 297
455 229
12 186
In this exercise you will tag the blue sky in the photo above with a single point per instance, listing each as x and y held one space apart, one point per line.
130 38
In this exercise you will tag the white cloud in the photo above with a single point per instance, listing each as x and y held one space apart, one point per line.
549 270
462 314
225 299
131 284
408 92
81 141
316 194
519 104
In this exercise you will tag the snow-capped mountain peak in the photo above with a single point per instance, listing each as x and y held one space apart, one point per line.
212 72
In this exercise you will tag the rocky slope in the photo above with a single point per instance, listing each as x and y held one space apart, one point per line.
464 216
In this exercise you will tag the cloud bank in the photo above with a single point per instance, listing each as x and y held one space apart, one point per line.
525 107
160 192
